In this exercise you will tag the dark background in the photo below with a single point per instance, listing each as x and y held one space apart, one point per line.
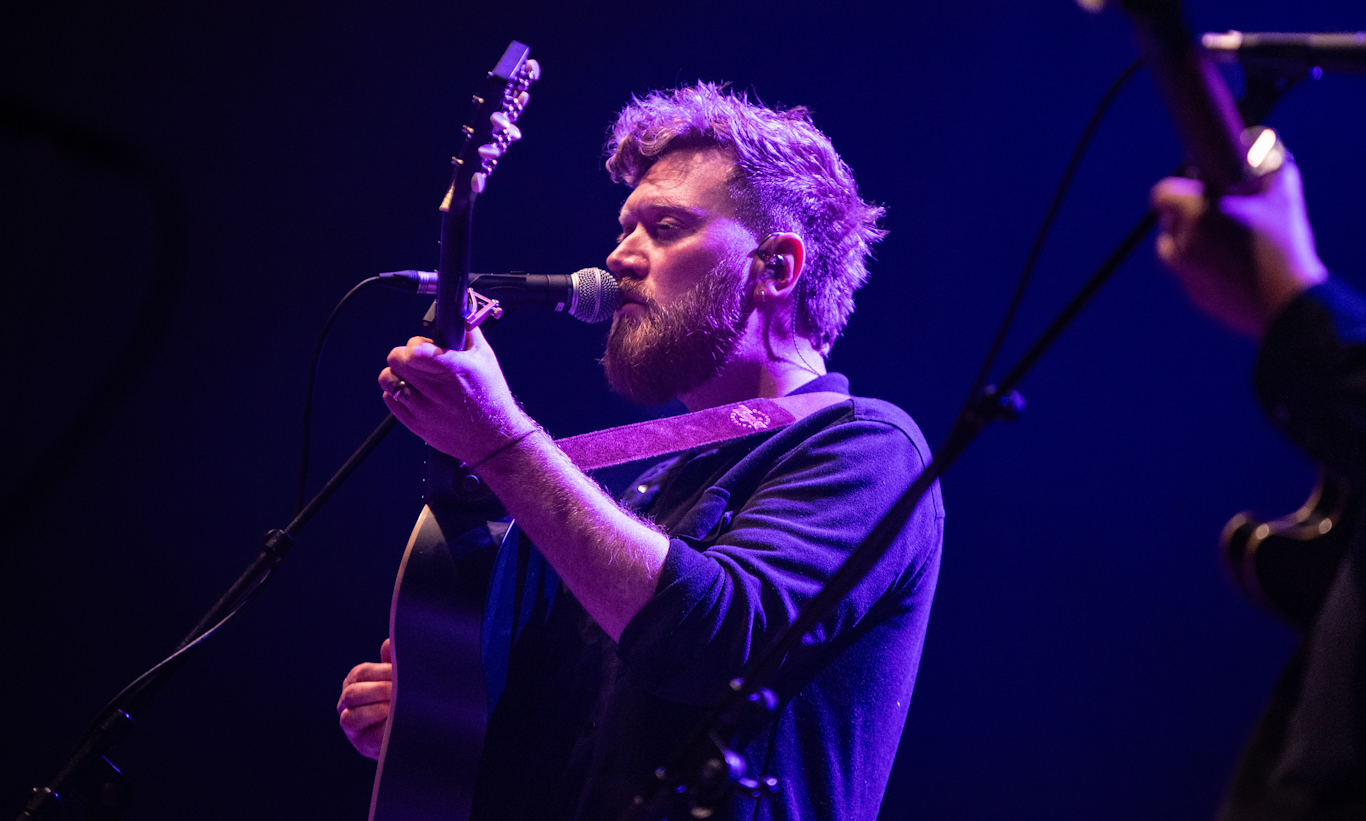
1086 657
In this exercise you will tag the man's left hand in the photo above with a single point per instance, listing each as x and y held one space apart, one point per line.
1241 259
457 401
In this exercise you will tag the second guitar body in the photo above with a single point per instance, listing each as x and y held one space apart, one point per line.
1287 564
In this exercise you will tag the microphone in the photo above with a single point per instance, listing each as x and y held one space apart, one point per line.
1291 53
588 294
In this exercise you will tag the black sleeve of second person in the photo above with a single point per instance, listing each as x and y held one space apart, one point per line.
1311 375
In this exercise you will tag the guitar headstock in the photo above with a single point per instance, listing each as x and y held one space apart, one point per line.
492 129
488 134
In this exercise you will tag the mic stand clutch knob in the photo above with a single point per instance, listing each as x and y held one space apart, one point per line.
991 408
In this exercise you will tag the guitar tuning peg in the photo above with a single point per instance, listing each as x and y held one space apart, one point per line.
533 70
478 181
523 99
502 122
490 151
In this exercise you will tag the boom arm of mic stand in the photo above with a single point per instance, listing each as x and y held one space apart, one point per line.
116 719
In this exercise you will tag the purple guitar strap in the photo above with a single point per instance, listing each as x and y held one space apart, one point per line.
645 440
523 586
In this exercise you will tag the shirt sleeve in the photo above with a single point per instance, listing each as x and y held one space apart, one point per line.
767 555
1311 375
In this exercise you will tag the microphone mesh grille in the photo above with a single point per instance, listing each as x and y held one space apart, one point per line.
596 295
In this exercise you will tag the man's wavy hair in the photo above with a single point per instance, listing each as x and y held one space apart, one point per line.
787 177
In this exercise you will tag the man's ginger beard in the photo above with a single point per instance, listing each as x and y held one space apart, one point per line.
669 351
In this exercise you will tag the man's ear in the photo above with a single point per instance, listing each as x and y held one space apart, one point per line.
778 265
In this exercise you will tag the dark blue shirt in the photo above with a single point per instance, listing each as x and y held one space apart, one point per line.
756 526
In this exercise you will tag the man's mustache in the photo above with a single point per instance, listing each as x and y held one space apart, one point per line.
632 291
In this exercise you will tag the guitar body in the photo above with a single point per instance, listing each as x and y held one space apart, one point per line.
435 732
432 742
1287 564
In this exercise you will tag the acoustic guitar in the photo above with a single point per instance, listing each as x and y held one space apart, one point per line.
434 735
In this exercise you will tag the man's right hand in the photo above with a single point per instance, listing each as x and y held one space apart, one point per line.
364 704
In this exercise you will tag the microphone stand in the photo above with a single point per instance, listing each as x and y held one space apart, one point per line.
97 783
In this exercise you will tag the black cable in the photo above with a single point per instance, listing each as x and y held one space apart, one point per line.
114 716
1034 252
131 691
301 493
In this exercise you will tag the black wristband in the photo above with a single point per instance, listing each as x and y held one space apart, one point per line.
509 443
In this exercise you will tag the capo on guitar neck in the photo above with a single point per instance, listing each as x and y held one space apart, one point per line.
481 308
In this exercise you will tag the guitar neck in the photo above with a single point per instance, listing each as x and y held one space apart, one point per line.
431 744
492 130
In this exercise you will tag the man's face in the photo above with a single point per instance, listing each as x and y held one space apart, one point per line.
682 261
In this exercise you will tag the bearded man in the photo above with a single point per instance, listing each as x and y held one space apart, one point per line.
742 243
